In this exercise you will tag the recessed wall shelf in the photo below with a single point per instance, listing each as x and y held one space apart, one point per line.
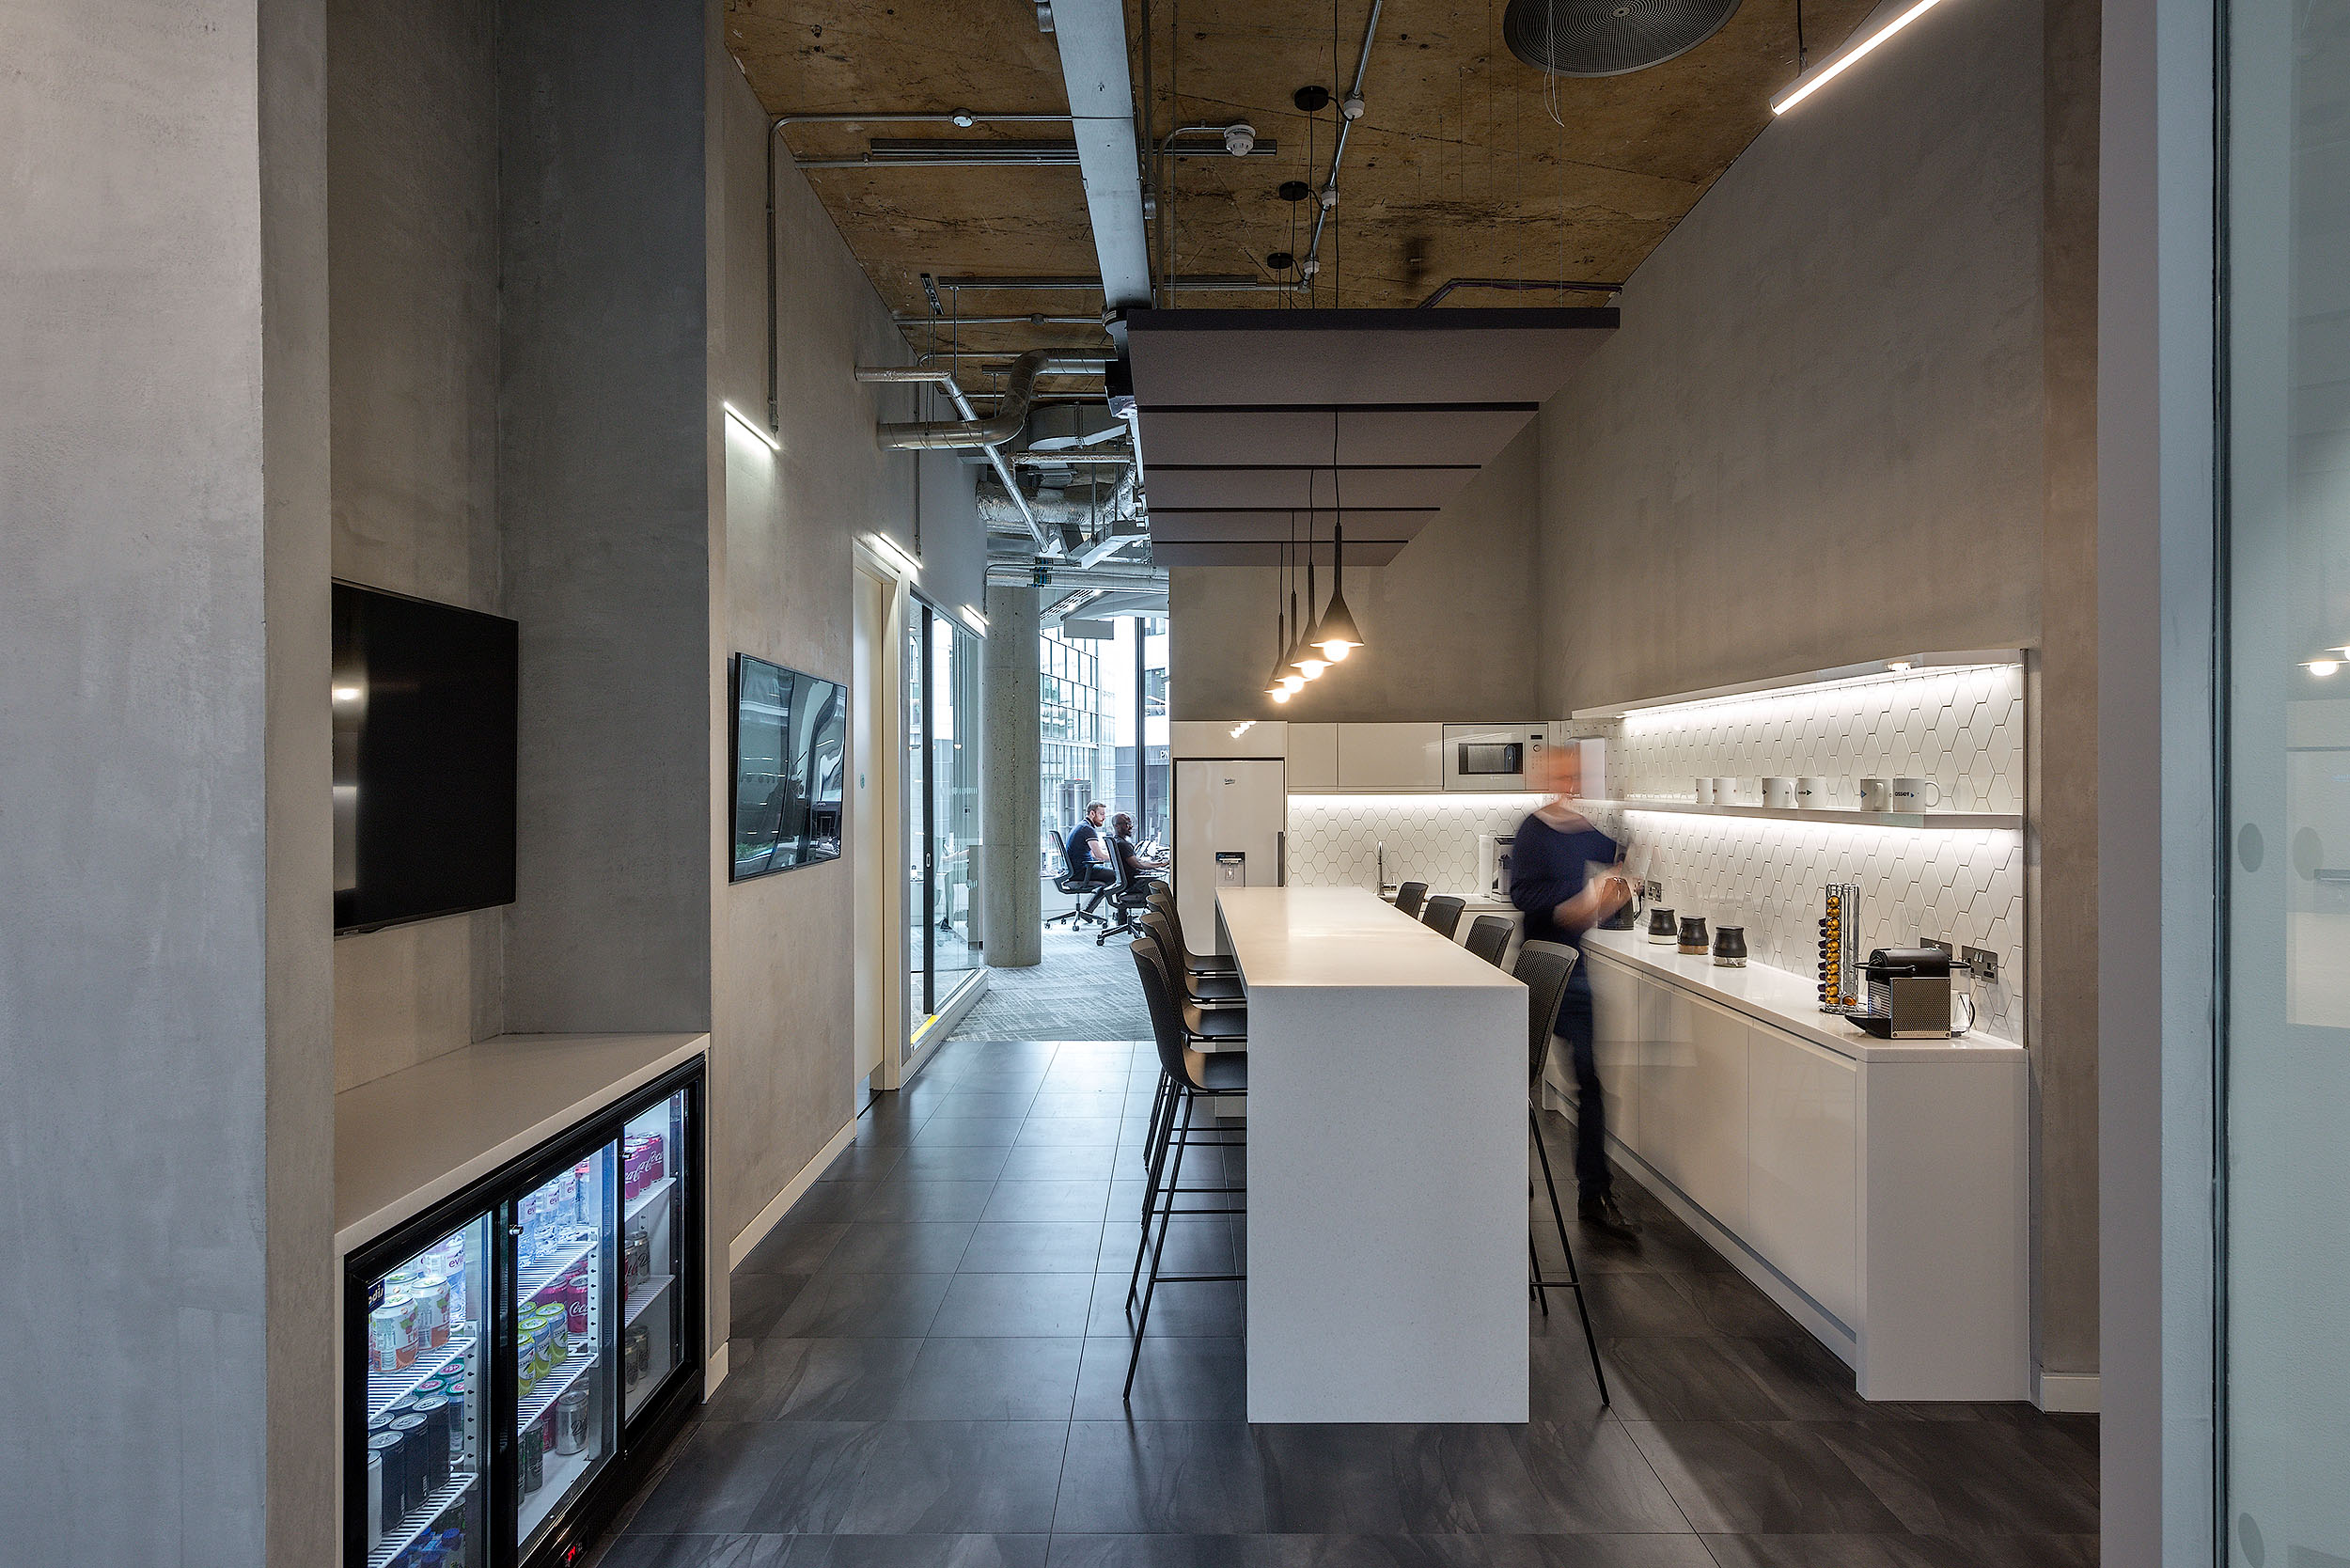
1781 685
1943 819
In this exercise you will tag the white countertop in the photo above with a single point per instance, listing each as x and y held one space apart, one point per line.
1333 937
405 1142
1780 997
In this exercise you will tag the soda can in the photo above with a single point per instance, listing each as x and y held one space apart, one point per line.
434 1409
427 1453
388 1346
430 1294
530 1466
571 1421
388 1448
375 1499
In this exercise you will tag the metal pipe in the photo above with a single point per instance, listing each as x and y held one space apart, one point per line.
1206 282
1006 320
895 373
1338 152
1521 284
1010 414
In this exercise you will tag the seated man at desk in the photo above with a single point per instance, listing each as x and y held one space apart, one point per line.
1568 876
1089 855
1129 854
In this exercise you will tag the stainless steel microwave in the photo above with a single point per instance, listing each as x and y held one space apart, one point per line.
1479 758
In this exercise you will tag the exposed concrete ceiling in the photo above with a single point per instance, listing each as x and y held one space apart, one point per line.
1468 163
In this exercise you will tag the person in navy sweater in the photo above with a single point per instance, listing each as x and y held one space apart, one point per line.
1567 876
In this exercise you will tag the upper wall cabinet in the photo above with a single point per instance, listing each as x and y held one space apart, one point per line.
1389 756
1313 757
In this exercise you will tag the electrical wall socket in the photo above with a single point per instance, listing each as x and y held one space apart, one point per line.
1984 961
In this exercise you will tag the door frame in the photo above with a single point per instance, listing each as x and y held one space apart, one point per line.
880 895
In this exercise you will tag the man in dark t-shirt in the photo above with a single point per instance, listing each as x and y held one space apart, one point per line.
1089 855
1566 875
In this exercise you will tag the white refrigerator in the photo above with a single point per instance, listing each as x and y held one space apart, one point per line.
1231 821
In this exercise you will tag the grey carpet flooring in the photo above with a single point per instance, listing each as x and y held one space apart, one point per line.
1080 991
926 1355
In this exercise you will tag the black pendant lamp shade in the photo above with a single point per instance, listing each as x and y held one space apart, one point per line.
1306 658
1335 632
1277 685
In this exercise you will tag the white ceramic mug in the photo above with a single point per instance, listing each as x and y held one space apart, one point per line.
1810 793
1704 793
1909 794
1778 794
1876 796
1725 791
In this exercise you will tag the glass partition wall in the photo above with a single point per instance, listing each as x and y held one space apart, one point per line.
1105 728
942 784
2285 967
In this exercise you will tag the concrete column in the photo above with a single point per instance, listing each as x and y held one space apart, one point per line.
164 854
1012 896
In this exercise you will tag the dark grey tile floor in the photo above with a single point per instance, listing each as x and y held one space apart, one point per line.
926 1355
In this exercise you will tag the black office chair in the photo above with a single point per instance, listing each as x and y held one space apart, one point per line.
1126 896
1489 938
1408 897
1443 915
1075 881
1545 967
1187 1076
1194 963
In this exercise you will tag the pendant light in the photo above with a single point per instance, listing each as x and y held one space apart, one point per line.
1304 657
1277 685
1335 632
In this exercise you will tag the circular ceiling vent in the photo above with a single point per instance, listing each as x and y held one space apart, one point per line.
1608 37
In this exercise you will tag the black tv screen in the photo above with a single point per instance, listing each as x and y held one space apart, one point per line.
791 752
424 697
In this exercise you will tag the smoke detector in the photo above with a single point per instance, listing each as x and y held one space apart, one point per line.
1352 106
1239 137
1608 38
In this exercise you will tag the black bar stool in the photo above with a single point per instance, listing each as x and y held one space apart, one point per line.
1489 938
1444 914
1194 963
1188 1077
1408 897
1545 967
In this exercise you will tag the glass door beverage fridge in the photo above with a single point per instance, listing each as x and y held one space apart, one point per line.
524 1349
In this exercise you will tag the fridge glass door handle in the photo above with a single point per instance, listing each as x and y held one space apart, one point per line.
1280 860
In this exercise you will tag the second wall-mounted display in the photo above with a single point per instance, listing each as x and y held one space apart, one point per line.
790 758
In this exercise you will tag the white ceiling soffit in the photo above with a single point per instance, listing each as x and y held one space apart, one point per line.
1239 410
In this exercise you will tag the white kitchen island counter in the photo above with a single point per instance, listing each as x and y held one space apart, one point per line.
1387 1164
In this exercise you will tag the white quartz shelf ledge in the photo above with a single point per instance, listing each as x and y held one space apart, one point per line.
1951 821
406 1141
1778 997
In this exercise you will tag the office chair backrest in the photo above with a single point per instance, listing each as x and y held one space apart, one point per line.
1066 879
1161 931
1444 914
1408 897
1545 967
1158 994
1489 938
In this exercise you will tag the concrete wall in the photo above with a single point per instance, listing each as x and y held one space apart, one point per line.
1452 621
412 211
163 848
782 568
1849 413
1817 436
606 491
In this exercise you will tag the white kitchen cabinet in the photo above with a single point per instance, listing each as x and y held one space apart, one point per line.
1313 757
1801 1164
1874 1189
1390 755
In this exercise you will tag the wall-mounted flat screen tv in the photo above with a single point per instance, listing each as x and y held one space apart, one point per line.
791 754
425 705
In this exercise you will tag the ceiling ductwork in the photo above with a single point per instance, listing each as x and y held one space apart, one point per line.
1011 415
1608 38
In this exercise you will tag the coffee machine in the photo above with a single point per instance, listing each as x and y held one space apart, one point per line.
1910 993
1492 863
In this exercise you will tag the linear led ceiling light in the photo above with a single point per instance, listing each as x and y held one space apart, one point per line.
739 418
1836 64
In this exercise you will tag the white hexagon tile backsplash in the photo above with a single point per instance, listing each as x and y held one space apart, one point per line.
1333 839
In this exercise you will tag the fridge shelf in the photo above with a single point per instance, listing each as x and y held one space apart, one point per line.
436 1506
384 1390
538 1275
651 1196
533 1406
645 1295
